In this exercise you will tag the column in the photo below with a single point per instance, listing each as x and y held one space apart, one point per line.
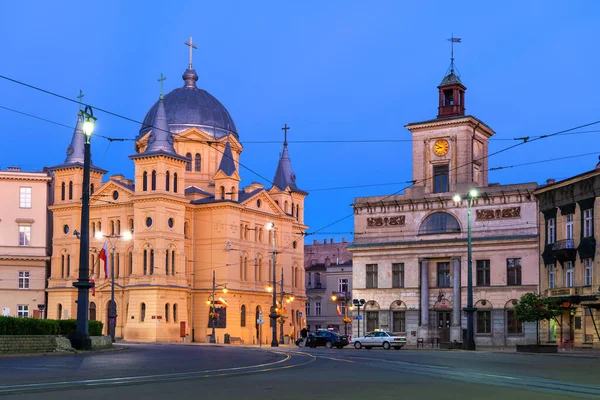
424 291
455 329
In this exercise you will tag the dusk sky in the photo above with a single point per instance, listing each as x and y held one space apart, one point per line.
344 72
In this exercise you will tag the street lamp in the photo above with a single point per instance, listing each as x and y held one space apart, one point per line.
273 314
112 310
358 303
213 318
470 340
81 338
282 294
334 297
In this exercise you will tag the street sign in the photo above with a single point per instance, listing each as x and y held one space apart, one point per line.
359 317
260 321
300 314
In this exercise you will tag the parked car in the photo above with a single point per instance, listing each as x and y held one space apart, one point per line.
327 339
383 339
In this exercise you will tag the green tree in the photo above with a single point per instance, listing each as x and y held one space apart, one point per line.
532 307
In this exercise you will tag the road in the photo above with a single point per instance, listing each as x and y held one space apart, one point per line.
159 371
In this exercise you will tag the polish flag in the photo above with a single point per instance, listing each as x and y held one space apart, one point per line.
104 257
94 285
339 311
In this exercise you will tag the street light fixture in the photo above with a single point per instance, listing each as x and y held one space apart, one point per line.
81 338
273 314
470 339
112 310
215 286
358 303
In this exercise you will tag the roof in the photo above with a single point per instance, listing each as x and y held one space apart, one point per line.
123 184
434 120
227 163
284 176
188 107
451 79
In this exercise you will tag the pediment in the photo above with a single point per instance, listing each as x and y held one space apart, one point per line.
267 204
221 175
105 194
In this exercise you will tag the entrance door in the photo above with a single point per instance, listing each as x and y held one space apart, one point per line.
444 326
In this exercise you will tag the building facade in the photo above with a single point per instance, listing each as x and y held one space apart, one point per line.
24 244
190 221
410 262
328 269
568 268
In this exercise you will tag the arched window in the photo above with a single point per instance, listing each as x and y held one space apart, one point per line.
297 211
174 312
112 227
92 316
167 312
243 316
59 311
151 261
118 227
293 208
188 163
68 265
173 262
63 189
92 188
197 166
153 180
222 192
99 226
93 229
168 181
285 206
71 190
143 312
185 230
130 266
175 182
117 266
131 226
62 266
145 262
145 181
439 222
167 262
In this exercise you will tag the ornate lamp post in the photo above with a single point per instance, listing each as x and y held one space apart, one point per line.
334 298
470 342
81 338
358 304
112 310
273 314
215 286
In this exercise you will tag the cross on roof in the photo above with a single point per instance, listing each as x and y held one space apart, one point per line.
285 129
161 79
80 97
192 46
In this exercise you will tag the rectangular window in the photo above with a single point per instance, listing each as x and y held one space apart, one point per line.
443 274
24 235
484 321
371 276
512 325
513 271
551 231
483 272
587 264
569 225
398 276
25 197
551 276
342 306
307 309
398 321
318 308
23 311
569 274
343 286
440 179
588 223
23 279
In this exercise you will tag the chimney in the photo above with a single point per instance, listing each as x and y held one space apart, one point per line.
13 168
315 242
550 181
324 241
343 240
331 241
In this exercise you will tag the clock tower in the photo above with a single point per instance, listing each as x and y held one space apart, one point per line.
450 151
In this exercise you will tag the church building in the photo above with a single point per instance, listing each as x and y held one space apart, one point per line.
189 247
410 260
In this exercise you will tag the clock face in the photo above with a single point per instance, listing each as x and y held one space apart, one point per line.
441 147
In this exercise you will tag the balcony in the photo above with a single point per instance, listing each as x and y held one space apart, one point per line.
574 295
315 286
564 250
564 292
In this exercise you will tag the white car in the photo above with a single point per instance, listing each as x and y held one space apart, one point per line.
379 339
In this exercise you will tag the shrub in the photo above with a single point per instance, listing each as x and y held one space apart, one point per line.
28 326
68 326
95 328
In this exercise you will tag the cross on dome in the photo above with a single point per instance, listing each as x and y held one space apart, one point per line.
192 46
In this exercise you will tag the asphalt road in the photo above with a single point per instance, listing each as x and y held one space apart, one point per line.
159 371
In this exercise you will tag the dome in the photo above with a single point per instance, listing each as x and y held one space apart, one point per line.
451 79
188 107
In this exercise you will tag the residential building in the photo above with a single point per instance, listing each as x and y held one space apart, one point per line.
328 268
190 221
410 261
24 250
569 271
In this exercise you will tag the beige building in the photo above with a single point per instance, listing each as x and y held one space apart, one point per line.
24 244
568 268
328 282
189 218
410 259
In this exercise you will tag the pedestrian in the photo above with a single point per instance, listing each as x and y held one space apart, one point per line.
304 336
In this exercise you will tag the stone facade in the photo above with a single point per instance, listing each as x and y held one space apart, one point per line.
569 270
410 262
24 244
328 268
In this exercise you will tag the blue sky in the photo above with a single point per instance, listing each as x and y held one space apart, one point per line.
335 70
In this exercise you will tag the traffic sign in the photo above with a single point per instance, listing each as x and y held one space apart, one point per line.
260 321
300 314
359 317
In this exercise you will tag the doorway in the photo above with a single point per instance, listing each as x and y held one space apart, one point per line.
443 327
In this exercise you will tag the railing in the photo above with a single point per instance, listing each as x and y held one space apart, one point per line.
569 291
315 286
565 244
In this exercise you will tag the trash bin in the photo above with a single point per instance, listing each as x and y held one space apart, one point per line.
286 339
227 339
208 338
